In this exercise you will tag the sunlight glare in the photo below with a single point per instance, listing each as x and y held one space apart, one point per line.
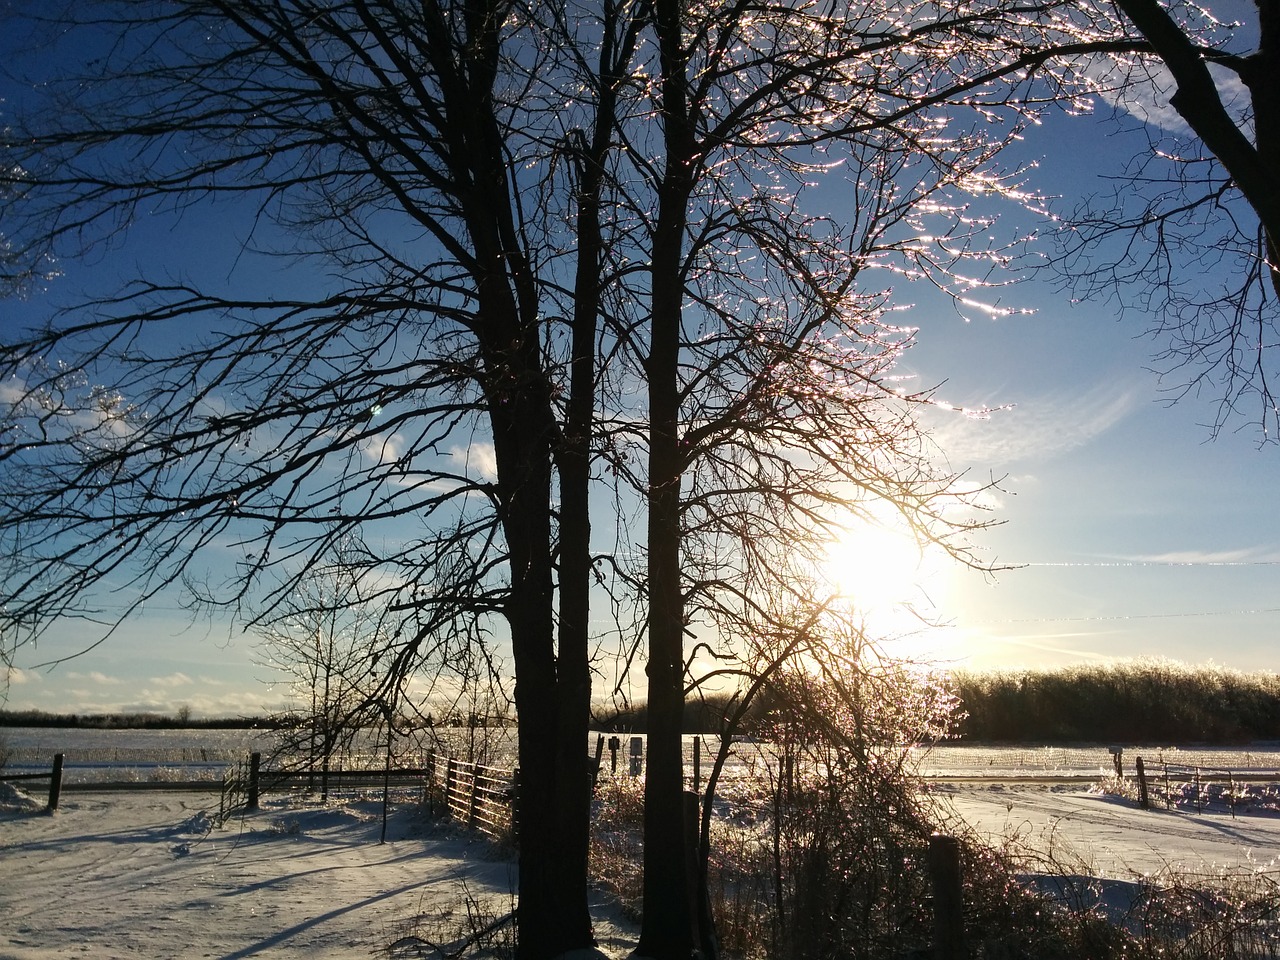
886 578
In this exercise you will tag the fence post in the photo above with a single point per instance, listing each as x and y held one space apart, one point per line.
515 805
55 782
1144 799
700 917
948 903
637 756
471 803
450 780
697 762
429 788
255 762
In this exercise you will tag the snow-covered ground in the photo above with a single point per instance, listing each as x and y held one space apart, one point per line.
148 875
1108 836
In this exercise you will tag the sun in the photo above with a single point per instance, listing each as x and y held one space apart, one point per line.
885 577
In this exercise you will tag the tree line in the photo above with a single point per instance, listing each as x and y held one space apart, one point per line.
131 721
1145 702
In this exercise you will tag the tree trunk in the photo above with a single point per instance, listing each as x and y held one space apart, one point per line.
666 931
552 693
1261 81
552 911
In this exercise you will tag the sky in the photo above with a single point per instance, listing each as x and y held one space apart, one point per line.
1128 530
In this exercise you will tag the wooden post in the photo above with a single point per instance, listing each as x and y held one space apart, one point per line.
55 782
471 803
697 762
450 780
1117 761
515 805
595 766
948 902
429 787
255 765
386 790
1144 799
700 916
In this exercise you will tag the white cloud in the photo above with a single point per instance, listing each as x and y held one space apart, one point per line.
96 676
1145 90
476 458
1205 558
13 676
177 679
1039 429
383 449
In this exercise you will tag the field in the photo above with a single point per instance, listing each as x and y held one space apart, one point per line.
104 755
148 874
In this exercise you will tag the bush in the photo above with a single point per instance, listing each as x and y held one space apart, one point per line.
821 851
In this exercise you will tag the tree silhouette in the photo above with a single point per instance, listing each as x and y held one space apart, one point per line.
544 241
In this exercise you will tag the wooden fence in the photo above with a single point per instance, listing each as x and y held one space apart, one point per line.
481 797
54 776
1173 782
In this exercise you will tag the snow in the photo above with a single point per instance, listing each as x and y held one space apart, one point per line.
148 873
1071 827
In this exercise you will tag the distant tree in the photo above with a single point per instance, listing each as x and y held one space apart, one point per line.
330 643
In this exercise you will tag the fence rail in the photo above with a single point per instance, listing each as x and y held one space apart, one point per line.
1173 782
481 797
54 776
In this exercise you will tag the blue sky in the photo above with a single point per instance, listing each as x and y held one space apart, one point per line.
1133 533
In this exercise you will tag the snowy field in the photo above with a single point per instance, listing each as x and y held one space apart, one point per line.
105 755
1106 836
147 874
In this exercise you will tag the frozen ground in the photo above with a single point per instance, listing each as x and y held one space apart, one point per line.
1110 837
146 875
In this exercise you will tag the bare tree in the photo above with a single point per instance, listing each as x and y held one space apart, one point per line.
411 152
799 151
331 644
1188 237
548 232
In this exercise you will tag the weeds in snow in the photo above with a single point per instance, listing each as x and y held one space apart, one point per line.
471 927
